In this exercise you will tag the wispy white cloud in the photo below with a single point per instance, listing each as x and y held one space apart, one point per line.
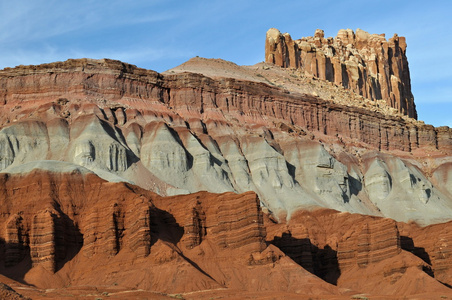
22 21
141 31
39 31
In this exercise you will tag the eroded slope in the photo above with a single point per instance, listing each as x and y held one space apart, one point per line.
186 132
76 234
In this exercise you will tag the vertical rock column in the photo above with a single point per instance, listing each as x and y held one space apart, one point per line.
237 222
195 226
367 64
375 241
43 241
139 227
442 256
103 231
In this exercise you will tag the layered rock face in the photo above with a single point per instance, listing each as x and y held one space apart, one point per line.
275 156
183 133
375 242
372 255
367 64
74 228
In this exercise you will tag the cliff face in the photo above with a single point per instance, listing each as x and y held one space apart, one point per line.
373 255
274 156
74 229
77 229
193 96
183 133
367 64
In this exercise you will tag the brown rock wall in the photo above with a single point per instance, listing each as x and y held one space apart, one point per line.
442 256
16 240
366 253
189 96
80 214
124 230
43 240
229 222
310 113
140 226
367 64
375 241
433 245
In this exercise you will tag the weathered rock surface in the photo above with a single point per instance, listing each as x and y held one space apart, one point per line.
6 292
87 145
367 254
77 229
374 242
367 64
182 133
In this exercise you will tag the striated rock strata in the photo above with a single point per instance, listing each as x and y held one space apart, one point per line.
213 182
79 230
367 254
184 132
375 242
367 64
83 230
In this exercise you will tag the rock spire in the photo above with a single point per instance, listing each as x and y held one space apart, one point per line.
367 64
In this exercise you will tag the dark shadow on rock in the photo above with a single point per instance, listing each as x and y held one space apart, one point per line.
291 169
355 185
16 257
429 271
15 270
164 227
176 136
345 80
406 243
320 262
195 265
345 196
445 284
68 240
116 133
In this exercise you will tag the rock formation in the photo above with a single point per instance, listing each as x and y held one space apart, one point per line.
314 179
6 292
367 64
77 229
375 242
80 225
180 133
363 253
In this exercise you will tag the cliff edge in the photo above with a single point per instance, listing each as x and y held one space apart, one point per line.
367 64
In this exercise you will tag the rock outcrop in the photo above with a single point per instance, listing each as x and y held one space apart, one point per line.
184 132
367 254
275 179
78 229
374 242
367 64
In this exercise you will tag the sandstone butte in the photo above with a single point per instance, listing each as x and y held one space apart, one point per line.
304 176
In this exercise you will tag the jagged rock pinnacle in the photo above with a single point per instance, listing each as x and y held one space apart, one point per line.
367 64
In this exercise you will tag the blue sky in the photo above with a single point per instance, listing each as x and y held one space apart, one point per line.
159 35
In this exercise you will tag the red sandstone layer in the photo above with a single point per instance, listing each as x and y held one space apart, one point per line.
34 92
78 230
